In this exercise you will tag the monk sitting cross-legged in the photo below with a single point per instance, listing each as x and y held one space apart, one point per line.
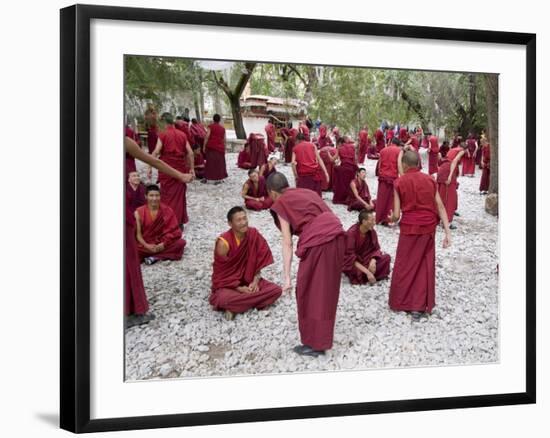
157 232
364 261
255 192
239 256
359 193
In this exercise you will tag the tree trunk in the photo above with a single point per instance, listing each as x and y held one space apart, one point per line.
491 91
201 96
237 118
197 107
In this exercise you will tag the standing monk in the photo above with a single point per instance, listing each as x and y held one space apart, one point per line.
174 149
469 159
182 123
447 183
328 154
379 138
289 135
308 166
254 192
157 232
364 144
270 133
388 171
433 153
359 194
199 162
239 256
324 139
258 150
413 280
214 151
365 262
345 172
304 130
321 249
198 133
135 191
485 166
151 126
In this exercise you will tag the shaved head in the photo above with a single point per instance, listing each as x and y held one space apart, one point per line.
277 182
410 159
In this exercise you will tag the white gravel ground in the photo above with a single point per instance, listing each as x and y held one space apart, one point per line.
189 339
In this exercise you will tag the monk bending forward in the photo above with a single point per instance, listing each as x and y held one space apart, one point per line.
413 280
239 256
321 248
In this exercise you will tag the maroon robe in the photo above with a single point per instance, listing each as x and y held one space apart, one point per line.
387 174
290 134
433 154
468 159
174 153
257 191
413 279
364 145
364 192
324 139
403 135
199 165
243 160
363 248
198 134
486 168
164 228
329 164
443 150
344 173
307 168
135 300
321 249
238 268
258 150
136 196
215 168
448 193
183 126
389 136
304 130
151 127
270 134
379 137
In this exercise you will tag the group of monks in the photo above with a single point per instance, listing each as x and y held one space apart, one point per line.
417 201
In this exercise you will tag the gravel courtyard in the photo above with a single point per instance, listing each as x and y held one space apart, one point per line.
189 339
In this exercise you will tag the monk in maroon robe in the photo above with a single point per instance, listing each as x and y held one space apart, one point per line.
307 166
214 151
485 166
239 256
328 154
443 150
135 191
365 262
321 249
199 162
243 159
289 136
135 303
198 133
324 139
390 134
270 135
388 172
254 192
359 194
304 130
151 126
175 150
447 183
379 139
469 158
433 154
157 230
364 144
403 135
258 150
417 204
182 123
344 173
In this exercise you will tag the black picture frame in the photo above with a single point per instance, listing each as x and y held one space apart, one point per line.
75 217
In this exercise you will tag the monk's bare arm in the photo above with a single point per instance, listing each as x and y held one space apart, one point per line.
158 149
221 248
245 191
206 140
453 166
396 214
443 216
139 235
287 252
135 151
293 162
355 192
400 163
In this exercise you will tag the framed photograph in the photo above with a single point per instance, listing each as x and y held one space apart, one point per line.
269 218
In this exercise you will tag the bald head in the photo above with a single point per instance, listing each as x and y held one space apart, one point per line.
410 159
277 182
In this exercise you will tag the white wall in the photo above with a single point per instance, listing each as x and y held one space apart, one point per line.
30 248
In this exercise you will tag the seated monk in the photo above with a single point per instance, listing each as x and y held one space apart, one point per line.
364 261
135 191
269 167
239 256
359 193
255 192
243 160
158 234
199 162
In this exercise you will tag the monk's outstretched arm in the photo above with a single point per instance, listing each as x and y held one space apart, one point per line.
135 151
293 163
158 149
322 164
453 166
400 163
396 213
443 216
287 253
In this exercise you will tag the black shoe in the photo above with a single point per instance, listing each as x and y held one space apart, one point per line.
304 350
416 315
217 183
456 213
452 227
203 180
134 320
150 260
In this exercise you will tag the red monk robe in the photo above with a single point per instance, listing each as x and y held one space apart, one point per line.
268 168
214 153
174 153
308 171
413 279
163 228
151 126
390 133
304 130
258 191
364 144
183 126
433 154
486 168
344 173
258 150
198 133
387 173
403 135
379 137
363 248
321 249
448 192
364 193
328 154
135 195
289 134
135 301
469 158
199 163
243 261
244 160
324 139
270 134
